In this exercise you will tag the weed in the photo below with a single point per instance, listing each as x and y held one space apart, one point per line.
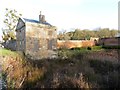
72 69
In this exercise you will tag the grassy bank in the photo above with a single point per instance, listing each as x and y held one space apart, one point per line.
5 52
73 69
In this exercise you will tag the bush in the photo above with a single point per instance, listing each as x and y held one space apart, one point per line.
88 48
111 47
76 48
64 53
97 47
102 67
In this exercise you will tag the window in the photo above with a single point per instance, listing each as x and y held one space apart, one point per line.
36 45
49 44
20 43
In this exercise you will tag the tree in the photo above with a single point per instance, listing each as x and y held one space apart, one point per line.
85 34
113 32
77 34
10 21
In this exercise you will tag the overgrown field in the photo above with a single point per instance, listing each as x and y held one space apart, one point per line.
75 68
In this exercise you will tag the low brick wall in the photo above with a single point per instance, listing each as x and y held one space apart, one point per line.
74 43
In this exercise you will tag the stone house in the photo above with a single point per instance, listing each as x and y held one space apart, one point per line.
37 39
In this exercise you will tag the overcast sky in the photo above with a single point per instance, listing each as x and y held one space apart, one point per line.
67 14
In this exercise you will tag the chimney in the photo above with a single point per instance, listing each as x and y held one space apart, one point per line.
41 18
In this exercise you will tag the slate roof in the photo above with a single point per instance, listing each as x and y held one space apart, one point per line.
35 21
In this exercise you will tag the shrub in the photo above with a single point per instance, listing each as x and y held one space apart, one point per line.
88 48
102 67
111 47
97 47
76 48
65 53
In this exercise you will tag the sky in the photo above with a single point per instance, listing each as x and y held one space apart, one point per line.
67 14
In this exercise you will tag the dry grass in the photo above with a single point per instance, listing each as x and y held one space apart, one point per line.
17 71
78 69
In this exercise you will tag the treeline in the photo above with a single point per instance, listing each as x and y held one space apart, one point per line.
86 34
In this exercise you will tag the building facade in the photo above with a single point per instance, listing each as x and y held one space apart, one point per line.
37 39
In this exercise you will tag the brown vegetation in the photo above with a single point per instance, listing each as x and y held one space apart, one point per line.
76 70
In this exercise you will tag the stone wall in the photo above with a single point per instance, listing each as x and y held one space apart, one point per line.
21 39
74 43
41 40
88 43
114 41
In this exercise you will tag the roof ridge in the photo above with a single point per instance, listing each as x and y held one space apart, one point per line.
35 21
